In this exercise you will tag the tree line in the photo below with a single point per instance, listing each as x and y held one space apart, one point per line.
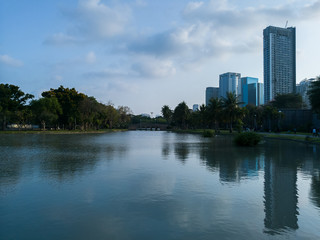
227 113
61 108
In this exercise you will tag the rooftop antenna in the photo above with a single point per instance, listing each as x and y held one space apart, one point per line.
286 24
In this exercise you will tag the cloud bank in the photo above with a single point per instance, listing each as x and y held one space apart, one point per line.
9 61
215 29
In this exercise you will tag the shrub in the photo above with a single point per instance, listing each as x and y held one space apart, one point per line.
248 139
208 133
308 138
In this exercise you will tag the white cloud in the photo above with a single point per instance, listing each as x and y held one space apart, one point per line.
147 66
91 21
91 57
141 3
7 60
101 21
58 78
218 29
61 39
192 6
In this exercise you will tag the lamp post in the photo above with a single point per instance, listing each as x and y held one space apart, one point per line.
279 118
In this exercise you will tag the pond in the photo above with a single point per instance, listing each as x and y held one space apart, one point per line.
156 185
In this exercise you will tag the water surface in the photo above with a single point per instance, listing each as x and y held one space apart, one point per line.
156 185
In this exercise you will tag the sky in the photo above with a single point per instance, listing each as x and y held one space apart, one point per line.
146 53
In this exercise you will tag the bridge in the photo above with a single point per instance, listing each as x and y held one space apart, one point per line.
149 126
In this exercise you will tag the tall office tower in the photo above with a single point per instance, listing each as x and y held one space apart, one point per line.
279 61
229 82
211 92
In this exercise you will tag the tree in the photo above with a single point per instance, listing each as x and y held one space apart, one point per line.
270 113
166 113
110 115
181 115
314 95
88 109
69 100
214 111
253 116
124 116
290 100
231 108
12 99
46 110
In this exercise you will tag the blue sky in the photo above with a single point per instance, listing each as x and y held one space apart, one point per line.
142 53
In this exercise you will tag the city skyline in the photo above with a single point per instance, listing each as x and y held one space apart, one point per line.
145 54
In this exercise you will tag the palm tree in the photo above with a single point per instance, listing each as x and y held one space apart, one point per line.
214 111
231 108
203 115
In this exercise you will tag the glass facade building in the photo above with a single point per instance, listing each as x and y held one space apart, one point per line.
252 91
279 61
211 92
229 82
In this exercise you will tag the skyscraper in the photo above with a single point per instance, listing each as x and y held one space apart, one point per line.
279 61
229 82
211 92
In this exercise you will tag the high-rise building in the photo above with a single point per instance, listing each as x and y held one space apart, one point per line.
245 81
211 92
302 88
255 94
279 61
229 82
195 107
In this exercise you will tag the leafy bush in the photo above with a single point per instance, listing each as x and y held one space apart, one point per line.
208 133
248 139
308 138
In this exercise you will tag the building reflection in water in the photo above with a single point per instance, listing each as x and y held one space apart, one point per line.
280 192
280 163
315 181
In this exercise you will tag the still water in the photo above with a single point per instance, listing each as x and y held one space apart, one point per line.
156 185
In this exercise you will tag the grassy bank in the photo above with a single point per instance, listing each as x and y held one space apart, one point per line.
62 131
298 137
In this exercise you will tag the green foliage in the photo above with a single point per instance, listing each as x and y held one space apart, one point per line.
70 100
308 138
12 103
270 114
231 108
167 113
239 125
62 107
247 139
314 95
125 114
208 133
181 115
46 110
290 100
253 118
214 112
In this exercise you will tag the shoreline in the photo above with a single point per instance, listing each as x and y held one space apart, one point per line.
62 132
298 137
